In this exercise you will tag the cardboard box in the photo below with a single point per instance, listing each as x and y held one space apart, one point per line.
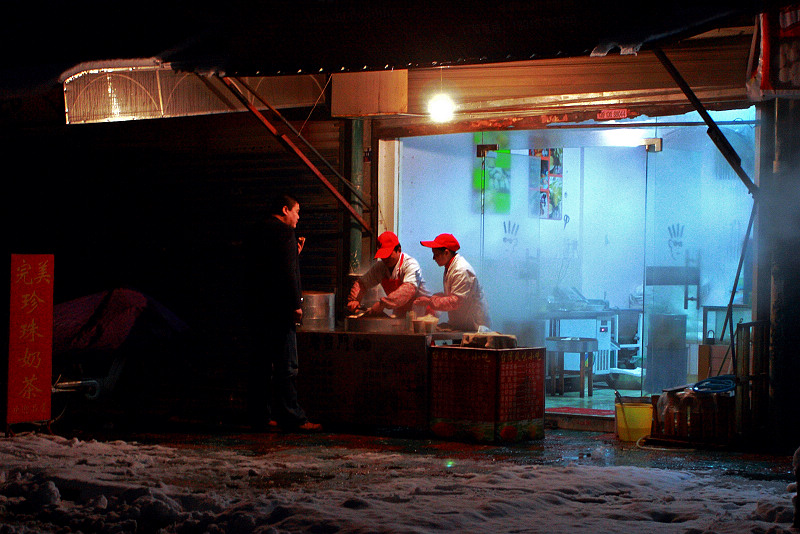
709 360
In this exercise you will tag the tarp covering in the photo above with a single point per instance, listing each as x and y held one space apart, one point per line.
111 320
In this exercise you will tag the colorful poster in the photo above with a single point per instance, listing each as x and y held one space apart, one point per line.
491 177
30 338
545 183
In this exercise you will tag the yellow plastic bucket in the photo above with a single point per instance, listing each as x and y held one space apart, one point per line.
633 420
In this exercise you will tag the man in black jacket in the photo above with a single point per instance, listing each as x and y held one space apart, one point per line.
274 297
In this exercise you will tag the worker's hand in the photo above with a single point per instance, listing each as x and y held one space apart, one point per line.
353 305
301 242
298 315
422 301
375 309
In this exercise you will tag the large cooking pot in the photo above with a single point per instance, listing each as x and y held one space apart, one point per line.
378 325
318 311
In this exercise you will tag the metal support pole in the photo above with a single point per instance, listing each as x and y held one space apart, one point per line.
714 132
729 314
352 187
284 139
356 141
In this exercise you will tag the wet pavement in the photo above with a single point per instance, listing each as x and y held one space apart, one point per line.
558 447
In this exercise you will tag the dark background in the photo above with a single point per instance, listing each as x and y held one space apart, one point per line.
159 206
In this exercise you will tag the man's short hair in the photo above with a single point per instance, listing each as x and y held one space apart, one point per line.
278 201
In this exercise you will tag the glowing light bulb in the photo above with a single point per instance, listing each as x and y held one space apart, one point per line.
441 108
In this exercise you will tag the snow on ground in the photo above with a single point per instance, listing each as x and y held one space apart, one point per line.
54 484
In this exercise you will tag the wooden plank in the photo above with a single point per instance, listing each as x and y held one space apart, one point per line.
360 94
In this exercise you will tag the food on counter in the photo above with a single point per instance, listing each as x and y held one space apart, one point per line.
426 323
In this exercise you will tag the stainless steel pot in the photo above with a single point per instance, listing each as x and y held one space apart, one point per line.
318 311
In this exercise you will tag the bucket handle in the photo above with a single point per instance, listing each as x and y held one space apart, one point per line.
618 398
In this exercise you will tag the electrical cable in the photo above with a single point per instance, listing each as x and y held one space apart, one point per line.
716 384
322 92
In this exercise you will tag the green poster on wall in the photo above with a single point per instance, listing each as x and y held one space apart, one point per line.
491 175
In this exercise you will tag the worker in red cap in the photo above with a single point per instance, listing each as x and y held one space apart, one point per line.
463 297
399 274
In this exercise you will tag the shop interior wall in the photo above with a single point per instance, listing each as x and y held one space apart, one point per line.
520 272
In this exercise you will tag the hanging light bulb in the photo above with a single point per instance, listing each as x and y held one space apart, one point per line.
441 108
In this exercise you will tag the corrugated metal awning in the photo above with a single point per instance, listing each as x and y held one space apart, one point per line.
714 66
149 89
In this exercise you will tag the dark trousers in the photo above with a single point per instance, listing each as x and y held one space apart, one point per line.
272 380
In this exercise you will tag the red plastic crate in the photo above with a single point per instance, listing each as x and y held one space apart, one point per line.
487 394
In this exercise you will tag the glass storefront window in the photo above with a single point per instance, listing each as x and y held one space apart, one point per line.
697 211
585 232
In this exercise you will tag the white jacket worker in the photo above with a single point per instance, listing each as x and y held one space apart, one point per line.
399 274
463 297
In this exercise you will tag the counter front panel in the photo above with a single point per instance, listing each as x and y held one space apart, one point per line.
368 379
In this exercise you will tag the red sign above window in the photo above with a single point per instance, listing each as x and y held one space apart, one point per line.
30 338
612 114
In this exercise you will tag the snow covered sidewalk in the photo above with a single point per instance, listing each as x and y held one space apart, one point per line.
55 484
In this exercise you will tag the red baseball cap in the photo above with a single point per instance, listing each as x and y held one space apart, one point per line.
442 241
387 242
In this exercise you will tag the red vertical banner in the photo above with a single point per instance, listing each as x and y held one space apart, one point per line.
30 338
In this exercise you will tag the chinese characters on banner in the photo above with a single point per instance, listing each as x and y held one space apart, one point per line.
30 338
